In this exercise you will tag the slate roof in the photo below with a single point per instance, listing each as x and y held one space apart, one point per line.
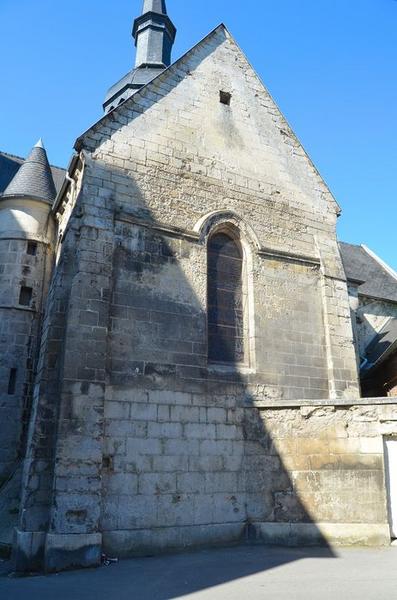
381 344
157 56
376 279
133 80
10 165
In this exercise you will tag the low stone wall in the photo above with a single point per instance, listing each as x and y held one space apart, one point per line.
186 469
334 454
181 471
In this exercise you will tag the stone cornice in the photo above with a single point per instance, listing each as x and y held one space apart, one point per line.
193 236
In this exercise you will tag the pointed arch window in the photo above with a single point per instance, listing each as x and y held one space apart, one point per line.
225 299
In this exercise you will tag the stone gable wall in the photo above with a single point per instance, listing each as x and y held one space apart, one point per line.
175 154
150 446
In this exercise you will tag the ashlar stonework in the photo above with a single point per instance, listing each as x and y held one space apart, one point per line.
138 442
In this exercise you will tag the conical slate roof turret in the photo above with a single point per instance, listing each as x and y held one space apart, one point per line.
154 35
34 177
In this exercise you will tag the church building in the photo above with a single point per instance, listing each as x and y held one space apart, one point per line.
182 336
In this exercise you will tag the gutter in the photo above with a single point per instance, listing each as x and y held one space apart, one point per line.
67 181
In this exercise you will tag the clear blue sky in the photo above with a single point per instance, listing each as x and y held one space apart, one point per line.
329 64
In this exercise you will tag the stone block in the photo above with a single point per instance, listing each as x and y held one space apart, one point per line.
157 483
165 430
185 414
169 397
185 447
171 464
217 447
120 484
221 482
143 412
127 543
200 431
72 551
137 447
117 410
188 483
371 445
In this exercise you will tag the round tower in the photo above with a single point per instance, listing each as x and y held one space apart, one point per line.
27 236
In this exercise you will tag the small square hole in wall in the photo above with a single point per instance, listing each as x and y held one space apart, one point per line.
32 248
12 382
25 296
225 98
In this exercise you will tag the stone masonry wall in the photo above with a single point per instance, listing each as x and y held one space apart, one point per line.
335 457
174 156
186 469
138 442
19 330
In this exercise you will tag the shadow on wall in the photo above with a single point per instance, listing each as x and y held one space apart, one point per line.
187 459
178 454
203 464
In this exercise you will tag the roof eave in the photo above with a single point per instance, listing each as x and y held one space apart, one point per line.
25 197
79 142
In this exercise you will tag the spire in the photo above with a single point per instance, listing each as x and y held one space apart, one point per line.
154 35
157 6
34 177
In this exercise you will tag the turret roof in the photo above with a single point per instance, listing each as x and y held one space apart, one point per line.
34 177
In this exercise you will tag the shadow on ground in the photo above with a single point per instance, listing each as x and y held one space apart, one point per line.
159 578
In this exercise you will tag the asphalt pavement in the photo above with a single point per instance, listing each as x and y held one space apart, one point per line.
237 573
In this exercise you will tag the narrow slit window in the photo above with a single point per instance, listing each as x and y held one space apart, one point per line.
225 98
12 382
32 248
25 296
225 300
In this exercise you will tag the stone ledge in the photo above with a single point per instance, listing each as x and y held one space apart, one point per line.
70 551
138 542
314 534
35 550
273 253
18 307
346 402
23 236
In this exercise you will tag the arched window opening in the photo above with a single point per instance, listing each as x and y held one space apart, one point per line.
225 300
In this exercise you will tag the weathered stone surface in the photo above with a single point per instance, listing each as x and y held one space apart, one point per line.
135 435
26 253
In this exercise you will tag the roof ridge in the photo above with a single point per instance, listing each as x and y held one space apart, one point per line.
23 160
12 155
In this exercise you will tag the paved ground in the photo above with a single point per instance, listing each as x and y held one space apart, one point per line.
240 573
